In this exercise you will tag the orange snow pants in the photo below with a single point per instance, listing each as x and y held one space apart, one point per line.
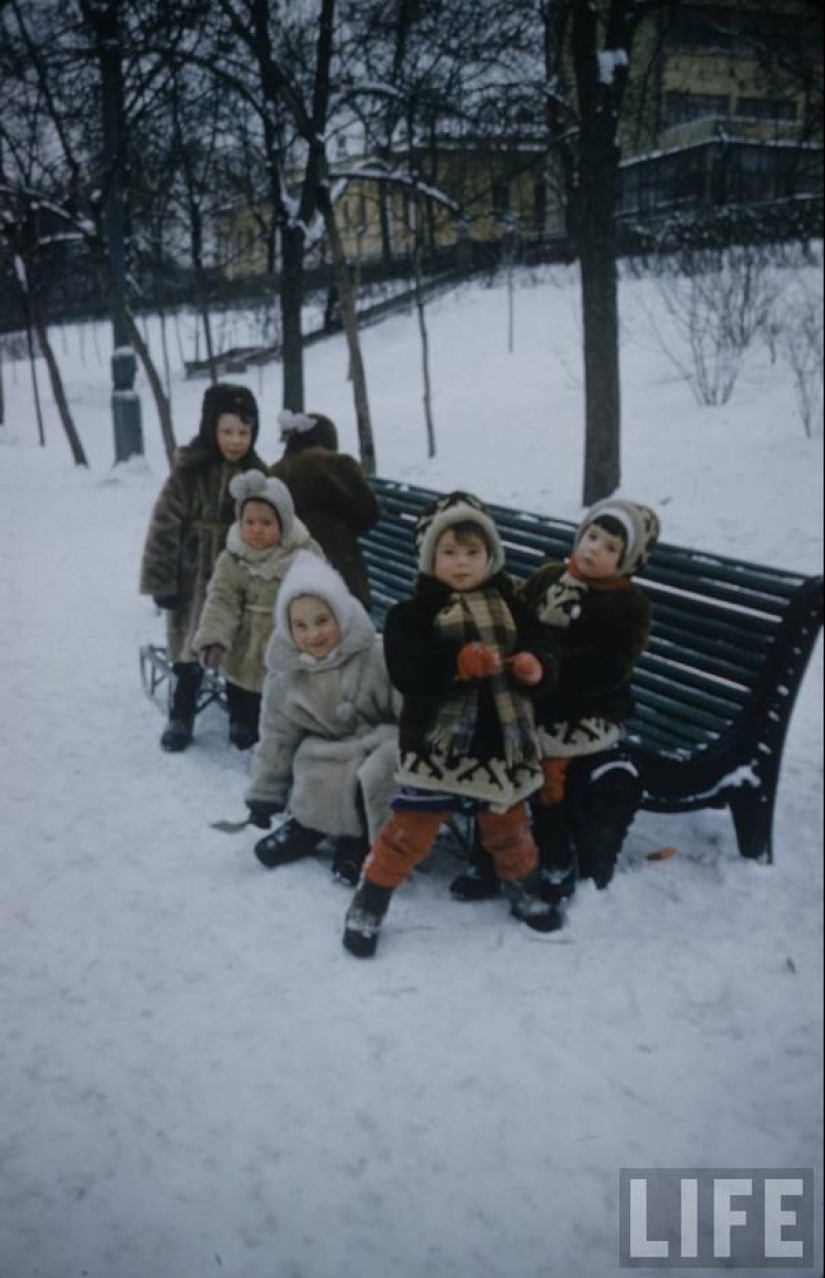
555 781
408 837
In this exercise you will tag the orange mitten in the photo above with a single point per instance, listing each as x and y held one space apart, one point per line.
478 661
526 668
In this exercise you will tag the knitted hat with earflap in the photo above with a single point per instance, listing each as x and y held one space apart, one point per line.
307 430
641 528
455 508
226 397
254 485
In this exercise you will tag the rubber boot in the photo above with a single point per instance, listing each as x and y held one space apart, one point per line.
177 734
478 881
290 842
605 804
350 854
527 906
557 858
244 712
364 918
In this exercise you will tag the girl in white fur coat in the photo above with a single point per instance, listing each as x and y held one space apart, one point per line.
328 735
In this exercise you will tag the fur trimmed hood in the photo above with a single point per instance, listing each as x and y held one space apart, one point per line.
310 575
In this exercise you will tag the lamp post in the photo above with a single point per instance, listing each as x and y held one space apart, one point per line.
126 412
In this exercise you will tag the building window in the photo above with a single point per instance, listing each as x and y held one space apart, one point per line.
681 108
766 109
501 199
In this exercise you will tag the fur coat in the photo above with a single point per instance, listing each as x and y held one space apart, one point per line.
187 532
423 666
603 633
337 505
240 601
327 727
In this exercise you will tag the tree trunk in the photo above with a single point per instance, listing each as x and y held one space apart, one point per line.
600 318
41 434
291 296
422 328
75 446
350 320
2 392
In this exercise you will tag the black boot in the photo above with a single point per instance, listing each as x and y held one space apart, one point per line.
183 706
290 842
527 906
551 830
606 801
350 852
364 918
244 712
479 881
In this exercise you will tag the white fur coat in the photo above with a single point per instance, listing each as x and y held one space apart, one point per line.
327 726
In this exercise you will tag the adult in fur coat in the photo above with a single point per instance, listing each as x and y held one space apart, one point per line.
236 621
330 492
187 532
328 729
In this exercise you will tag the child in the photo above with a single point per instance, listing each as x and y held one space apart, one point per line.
187 532
463 651
236 621
330 493
591 788
328 727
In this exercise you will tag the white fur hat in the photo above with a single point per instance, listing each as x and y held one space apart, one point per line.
254 485
309 574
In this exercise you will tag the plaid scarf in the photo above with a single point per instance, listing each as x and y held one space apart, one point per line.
469 617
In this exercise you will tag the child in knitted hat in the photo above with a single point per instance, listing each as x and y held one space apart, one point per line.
328 725
187 532
467 656
603 620
236 621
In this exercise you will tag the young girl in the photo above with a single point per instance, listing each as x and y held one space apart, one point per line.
187 532
464 651
328 734
236 621
591 788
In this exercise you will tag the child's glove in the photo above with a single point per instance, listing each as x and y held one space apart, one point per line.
261 814
478 661
211 657
526 668
169 603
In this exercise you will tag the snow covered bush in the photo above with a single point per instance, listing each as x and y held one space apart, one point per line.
800 341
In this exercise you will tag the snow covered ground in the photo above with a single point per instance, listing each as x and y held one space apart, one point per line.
195 1078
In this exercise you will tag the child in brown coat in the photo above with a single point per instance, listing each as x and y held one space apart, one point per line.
188 529
591 788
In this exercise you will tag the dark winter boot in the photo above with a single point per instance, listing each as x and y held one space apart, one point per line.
350 852
244 712
551 830
290 842
364 918
606 801
479 881
527 906
183 705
